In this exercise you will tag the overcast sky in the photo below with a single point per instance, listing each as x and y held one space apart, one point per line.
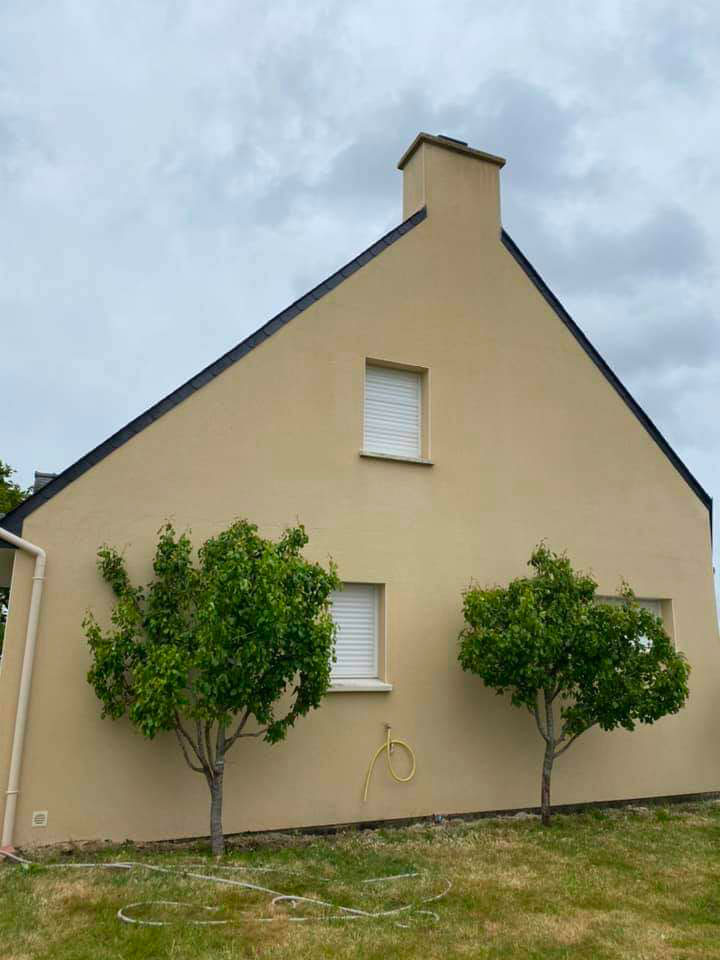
173 174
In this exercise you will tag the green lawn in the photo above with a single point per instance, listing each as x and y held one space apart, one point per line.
635 884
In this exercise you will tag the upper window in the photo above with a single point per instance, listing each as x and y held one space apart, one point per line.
393 418
355 611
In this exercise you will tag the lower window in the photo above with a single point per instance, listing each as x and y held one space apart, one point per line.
653 606
356 611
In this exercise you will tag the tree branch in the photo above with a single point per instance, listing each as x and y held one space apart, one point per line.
201 747
255 733
187 755
549 718
220 749
536 712
239 733
231 740
568 744
207 730
180 729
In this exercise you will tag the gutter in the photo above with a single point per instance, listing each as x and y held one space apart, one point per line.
21 713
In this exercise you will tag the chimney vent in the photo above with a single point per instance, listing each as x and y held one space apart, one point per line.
443 136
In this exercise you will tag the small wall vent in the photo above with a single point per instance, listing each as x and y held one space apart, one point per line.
40 818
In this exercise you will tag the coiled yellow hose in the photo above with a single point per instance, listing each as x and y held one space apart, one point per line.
389 745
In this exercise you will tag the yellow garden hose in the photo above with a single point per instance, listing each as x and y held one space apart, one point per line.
389 746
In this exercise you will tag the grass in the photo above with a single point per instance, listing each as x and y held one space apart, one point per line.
636 883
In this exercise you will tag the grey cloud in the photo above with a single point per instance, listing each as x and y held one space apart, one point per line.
525 123
683 404
679 42
673 55
644 297
669 242
503 114
363 172
668 245
175 174
652 343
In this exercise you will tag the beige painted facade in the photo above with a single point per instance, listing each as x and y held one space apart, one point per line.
527 439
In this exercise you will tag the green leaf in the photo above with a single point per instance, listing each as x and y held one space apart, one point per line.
607 665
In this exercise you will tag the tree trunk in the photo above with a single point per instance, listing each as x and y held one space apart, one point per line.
554 746
545 789
212 765
548 758
217 838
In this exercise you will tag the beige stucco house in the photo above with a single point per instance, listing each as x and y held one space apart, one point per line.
429 412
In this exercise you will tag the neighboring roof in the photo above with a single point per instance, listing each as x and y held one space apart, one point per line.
42 479
13 520
606 371
449 143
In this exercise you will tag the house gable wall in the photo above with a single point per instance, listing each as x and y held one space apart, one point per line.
528 441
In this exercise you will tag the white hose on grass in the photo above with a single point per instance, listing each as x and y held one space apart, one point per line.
338 912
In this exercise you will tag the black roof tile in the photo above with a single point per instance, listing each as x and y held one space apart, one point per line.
606 370
14 519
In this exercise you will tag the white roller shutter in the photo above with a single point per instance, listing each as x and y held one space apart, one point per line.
355 611
392 411
654 606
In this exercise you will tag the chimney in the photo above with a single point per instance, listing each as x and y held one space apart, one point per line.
454 181
42 480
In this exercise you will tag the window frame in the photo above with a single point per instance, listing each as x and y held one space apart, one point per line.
666 611
423 374
378 683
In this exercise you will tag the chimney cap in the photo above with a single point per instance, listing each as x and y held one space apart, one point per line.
449 143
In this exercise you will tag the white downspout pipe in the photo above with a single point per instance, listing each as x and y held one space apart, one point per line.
25 681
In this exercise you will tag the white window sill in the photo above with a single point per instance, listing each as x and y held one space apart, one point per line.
359 686
392 456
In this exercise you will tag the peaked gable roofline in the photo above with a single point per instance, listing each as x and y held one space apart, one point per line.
607 371
13 520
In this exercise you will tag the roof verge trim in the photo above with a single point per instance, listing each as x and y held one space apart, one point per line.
606 371
13 520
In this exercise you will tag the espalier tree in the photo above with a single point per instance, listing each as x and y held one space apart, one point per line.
571 661
208 650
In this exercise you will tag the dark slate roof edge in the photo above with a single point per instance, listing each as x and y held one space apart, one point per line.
607 371
13 520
